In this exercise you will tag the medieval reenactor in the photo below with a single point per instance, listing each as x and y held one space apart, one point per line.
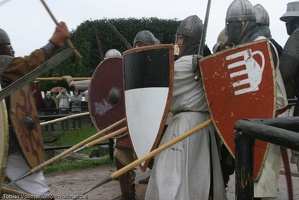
190 169
123 153
242 28
64 106
221 43
11 69
227 161
289 60
263 21
48 107
84 85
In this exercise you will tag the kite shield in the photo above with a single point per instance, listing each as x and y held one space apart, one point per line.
148 82
239 84
26 125
106 95
3 139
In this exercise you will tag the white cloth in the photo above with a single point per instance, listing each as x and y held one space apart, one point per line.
64 100
33 184
82 85
266 186
183 171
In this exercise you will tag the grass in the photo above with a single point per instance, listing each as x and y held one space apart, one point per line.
66 138
85 164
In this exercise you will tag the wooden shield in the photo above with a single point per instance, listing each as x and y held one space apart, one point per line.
148 81
239 83
26 125
3 139
106 95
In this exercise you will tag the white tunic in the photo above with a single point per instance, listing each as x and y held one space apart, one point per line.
183 171
266 186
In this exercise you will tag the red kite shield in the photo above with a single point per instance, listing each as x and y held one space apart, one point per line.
239 83
106 95
148 81
26 125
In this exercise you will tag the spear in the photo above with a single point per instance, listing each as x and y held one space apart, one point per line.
97 141
119 35
70 150
69 43
99 45
202 42
149 155
61 79
64 118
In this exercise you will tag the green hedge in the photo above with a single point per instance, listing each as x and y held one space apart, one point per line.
84 39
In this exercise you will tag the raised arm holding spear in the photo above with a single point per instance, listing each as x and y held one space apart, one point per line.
69 43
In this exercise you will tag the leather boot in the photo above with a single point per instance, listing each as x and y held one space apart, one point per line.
127 186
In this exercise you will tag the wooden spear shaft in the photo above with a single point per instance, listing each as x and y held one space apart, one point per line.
70 150
106 137
151 154
64 118
61 79
159 149
69 43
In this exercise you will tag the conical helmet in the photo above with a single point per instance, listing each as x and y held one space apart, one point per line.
4 39
146 37
262 16
240 10
191 26
112 53
221 41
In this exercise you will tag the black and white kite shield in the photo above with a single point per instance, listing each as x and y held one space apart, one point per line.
148 83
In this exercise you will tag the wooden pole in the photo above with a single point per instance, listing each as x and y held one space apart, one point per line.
64 118
106 137
69 43
59 156
159 149
61 79
151 154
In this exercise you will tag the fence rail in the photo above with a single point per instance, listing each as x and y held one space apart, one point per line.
279 131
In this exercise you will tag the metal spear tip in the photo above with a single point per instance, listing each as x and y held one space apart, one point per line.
79 149
23 176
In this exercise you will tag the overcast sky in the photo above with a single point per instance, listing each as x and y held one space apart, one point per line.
30 26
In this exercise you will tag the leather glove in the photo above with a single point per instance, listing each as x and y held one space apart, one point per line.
60 35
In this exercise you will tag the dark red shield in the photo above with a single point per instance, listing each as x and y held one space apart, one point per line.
26 125
239 83
106 95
